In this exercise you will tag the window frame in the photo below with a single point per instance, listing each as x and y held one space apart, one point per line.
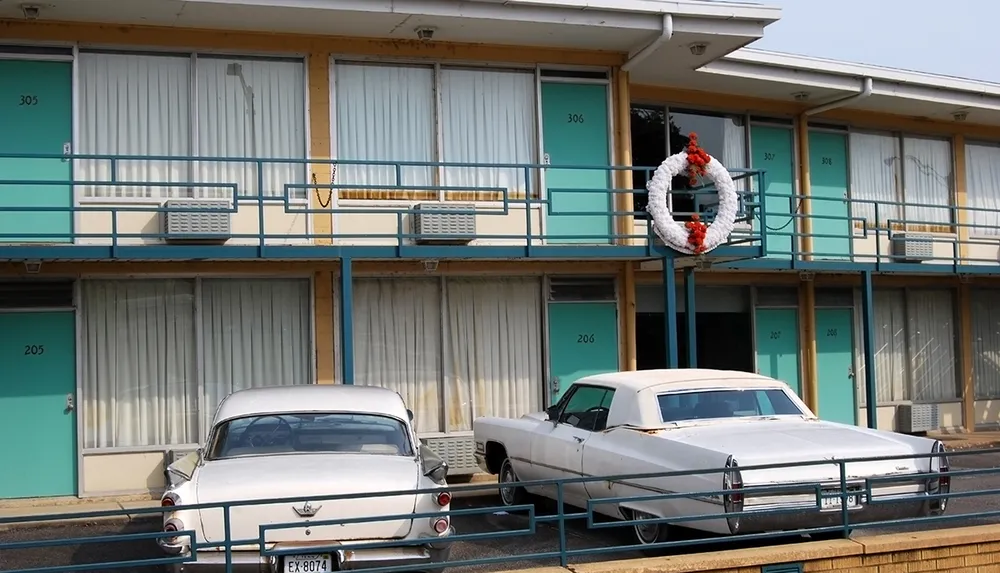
203 428
899 192
560 406
973 233
539 72
748 120
294 196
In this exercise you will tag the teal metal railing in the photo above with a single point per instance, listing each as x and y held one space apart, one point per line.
552 532
116 200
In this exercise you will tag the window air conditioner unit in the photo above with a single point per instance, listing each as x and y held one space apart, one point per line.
916 418
912 247
206 221
432 227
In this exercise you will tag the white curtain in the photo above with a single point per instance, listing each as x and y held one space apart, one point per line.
889 308
255 333
250 108
914 346
982 173
931 325
397 343
384 113
493 361
134 105
927 167
986 343
874 162
139 368
488 117
734 149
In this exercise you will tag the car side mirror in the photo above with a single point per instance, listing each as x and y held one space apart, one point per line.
409 414
552 412
201 455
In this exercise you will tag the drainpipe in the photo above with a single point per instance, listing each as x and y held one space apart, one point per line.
808 288
666 32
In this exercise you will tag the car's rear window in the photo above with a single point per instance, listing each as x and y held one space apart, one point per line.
311 433
739 403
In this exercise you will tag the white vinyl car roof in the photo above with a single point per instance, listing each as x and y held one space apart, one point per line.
311 398
635 403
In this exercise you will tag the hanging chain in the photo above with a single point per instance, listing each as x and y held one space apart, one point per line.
329 192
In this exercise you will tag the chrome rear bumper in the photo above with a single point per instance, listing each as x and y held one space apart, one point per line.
429 558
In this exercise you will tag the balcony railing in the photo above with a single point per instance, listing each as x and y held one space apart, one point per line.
155 207
116 206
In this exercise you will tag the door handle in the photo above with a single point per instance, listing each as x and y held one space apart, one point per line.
69 403
850 372
555 385
67 150
578 439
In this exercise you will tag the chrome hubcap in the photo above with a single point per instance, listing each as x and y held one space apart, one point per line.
507 493
646 532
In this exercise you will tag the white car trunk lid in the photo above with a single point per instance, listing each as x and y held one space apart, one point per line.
788 441
308 476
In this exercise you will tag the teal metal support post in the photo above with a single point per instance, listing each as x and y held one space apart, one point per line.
670 311
690 313
346 321
868 333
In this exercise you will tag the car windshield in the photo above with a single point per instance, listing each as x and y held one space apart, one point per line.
310 433
741 403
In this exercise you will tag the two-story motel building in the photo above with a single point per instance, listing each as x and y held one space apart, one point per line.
307 243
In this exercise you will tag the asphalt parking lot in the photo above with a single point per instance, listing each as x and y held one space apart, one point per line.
509 551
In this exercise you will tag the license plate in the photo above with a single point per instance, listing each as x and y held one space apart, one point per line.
308 564
835 502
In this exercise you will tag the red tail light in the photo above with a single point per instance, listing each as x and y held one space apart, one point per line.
736 485
169 500
443 498
441 525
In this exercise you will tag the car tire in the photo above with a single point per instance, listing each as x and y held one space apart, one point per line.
510 495
649 534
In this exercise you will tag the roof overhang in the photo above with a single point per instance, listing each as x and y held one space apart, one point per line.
816 82
620 26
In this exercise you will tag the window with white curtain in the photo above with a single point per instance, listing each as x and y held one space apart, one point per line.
408 113
158 355
891 170
915 346
986 343
454 350
982 187
191 105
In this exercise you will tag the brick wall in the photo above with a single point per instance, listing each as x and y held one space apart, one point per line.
959 550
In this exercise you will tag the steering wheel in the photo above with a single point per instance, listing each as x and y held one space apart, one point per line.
264 440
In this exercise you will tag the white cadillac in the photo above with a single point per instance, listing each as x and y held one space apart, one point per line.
659 421
310 442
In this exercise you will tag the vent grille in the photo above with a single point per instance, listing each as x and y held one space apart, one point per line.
455 225
458 451
782 568
204 221
777 297
36 294
582 289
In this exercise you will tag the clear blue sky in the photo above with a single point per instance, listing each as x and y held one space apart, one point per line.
951 37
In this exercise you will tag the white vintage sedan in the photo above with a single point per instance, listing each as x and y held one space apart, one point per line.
310 442
659 421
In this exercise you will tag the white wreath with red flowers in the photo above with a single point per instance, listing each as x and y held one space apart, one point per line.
670 231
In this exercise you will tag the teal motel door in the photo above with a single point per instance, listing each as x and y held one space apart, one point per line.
777 338
837 400
36 117
575 132
38 404
583 341
828 177
774 152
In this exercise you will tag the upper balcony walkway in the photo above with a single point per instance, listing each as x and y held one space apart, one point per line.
117 207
